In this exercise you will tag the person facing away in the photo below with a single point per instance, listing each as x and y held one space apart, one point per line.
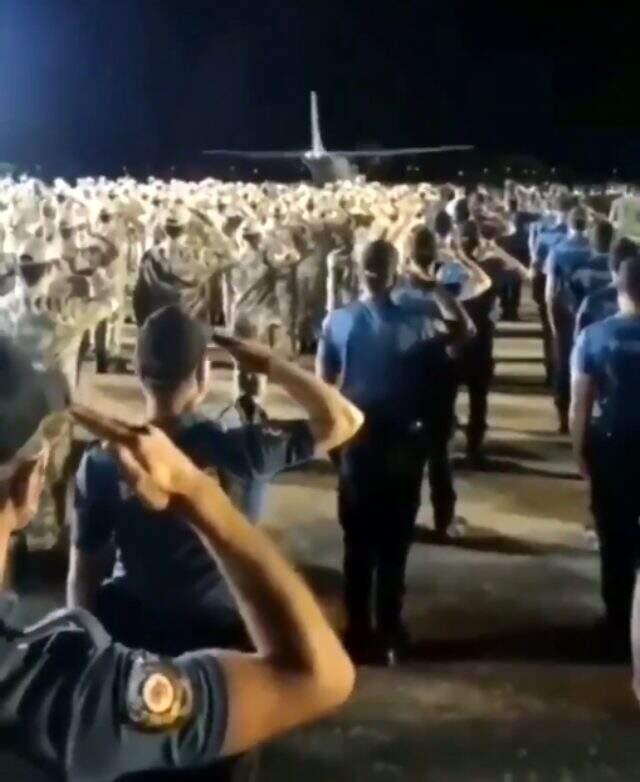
605 425
413 293
379 353
603 303
142 577
561 265
74 704
588 278
475 360
515 242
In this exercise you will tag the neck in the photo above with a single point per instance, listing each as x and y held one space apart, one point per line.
160 411
378 295
627 306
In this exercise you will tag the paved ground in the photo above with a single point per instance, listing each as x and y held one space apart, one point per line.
508 681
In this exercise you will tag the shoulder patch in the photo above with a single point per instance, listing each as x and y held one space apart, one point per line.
159 696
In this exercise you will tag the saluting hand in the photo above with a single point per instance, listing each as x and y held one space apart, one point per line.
251 356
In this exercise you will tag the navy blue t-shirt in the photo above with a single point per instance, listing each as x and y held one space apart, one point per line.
68 706
596 307
378 349
161 560
545 240
609 353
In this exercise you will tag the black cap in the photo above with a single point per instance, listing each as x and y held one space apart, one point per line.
171 344
27 397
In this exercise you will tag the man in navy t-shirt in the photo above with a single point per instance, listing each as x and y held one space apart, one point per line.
605 418
74 704
603 302
154 585
389 361
550 230
564 259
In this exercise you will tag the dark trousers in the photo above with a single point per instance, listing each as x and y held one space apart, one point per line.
378 500
475 371
615 502
443 495
510 296
102 354
443 419
538 286
562 344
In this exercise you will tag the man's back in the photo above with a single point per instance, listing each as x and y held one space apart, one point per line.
588 277
597 306
609 351
164 563
372 345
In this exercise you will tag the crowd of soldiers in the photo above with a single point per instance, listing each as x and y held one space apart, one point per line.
397 289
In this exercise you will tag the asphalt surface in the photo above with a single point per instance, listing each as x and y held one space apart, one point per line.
510 678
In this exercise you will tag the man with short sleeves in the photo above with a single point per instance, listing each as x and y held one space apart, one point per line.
75 705
605 424
121 556
388 361
603 303
561 265
551 230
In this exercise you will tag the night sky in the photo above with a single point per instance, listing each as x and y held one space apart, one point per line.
93 85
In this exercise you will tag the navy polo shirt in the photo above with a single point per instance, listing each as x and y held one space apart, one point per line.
609 353
375 348
597 306
161 560
66 708
545 241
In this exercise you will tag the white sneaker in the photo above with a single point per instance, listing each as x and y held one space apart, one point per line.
459 528
591 540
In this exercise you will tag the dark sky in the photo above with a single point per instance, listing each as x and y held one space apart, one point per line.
91 85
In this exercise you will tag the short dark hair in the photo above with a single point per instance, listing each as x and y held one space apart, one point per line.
629 278
565 202
470 236
461 213
621 251
424 238
578 218
379 261
602 236
443 224
171 348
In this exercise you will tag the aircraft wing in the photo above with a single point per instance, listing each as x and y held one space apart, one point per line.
354 153
404 151
257 155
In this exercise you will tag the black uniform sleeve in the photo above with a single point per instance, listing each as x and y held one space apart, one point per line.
118 729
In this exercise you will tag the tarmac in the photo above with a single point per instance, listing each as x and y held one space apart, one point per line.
509 678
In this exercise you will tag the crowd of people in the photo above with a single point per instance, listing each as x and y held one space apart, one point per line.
397 289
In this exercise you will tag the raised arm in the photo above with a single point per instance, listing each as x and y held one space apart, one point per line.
300 670
332 418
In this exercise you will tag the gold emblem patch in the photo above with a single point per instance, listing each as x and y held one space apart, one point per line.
159 695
